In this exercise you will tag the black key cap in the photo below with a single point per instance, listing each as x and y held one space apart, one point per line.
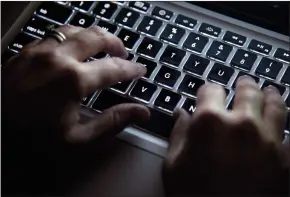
149 25
159 123
286 77
287 126
54 11
20 41
128 38
243 59
143 90
189 105
139 5
87 99
221 73
167 100
100 55
82 20
242 74
196 64
105 9
149 47
219 51
195 42
150 65
130 56
122 86
260 47
172 56
287 101
6 55
162 13
234 38
37 26
190 85
127 17
172 34
282 55
269 68
210 30
185 21
107 26
280 88
167 76
84 5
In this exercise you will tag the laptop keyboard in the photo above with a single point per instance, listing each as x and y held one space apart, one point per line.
181 54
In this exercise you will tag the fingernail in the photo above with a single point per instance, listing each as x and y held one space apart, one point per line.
142 67
271 89
245 77
126 55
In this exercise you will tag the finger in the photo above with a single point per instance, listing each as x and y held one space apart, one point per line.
67 30
109 123
91 41
109 71
211 96
178 137
248 98
274 111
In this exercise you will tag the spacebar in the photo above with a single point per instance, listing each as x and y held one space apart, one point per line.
159 123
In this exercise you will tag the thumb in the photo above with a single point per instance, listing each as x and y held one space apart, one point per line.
109 123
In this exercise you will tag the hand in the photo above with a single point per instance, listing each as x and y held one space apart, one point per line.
220 152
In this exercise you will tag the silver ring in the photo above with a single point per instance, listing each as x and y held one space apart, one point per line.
60 37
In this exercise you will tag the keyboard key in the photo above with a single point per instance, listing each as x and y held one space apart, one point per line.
82 20
149 47
172 56
286 77
54 11
84 5
130 57
143 90
20 41
219 51
127 17
107 26
190 85
6 55
185 21
287 126
280 88
242 74
195 42
287 101
234 38
128 37
269 68
159 122
87 99
210 30
162 13
150 65
221 73
189 105
37 26
243 59
167 76
282 55
196 64
167 100
139 5
105 9
149 25
122 86
260 47
172 34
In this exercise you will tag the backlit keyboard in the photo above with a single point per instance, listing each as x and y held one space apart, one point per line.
181 54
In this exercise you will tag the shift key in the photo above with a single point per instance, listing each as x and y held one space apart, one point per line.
54 12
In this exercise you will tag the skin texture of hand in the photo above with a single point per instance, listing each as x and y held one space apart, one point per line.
220 152
42 88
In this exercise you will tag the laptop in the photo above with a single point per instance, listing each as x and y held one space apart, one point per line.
182 44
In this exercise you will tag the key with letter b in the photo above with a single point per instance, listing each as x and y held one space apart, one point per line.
167 100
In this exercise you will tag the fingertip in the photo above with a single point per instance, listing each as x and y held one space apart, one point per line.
269 90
